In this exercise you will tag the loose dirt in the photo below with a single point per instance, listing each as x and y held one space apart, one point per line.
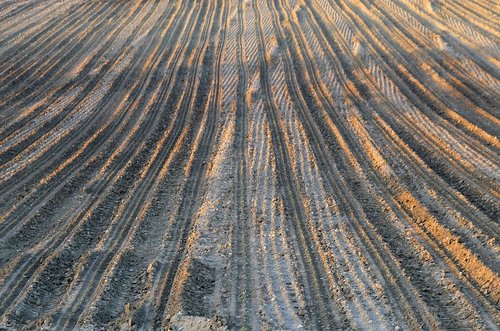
256 164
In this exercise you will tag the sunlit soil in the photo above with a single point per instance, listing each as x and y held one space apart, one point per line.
249 164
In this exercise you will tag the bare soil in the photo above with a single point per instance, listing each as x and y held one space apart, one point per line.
249 164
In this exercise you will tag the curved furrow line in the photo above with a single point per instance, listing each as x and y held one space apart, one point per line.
441 164
447 76
449 144
104 70
267 284
476 34
84 259
230 78
485 315
475 37
6 4
361 306
29 22
435 104
243 285
264 163
70 59
81 224
321 311
51 32
249 164
316 90
255 292
456 41
466 12
45 36
131 98
130 285
173 279
179 80
451 70
102 67
63 70
28 66
103 181
259 153
362 295
477 19
31 109
458 204
110 185
44 210
119 120
388 70
170 144
472 69
464 209
231 81
384 153
65 127
344 199
264 197
283 307
303 162
290 302
69 96
16 11
115 244
269 294
422 190
13 115
197 288
40 15
489 8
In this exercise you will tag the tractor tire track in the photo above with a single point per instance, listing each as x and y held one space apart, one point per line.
249 164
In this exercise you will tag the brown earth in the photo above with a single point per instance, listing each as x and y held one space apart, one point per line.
257 164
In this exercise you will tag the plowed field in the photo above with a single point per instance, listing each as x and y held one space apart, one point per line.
250 164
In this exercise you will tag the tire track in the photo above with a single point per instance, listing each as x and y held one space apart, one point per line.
330 174
382 186
321 312
99 189
476 197
171 276
241 240
264 164
94 145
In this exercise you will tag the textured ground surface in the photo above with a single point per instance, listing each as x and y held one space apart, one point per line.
268 164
